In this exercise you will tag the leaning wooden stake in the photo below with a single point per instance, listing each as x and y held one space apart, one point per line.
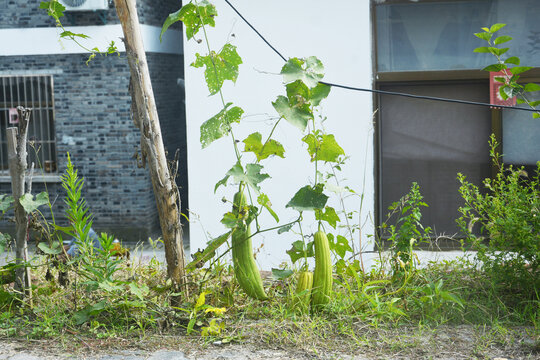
17 138
145 116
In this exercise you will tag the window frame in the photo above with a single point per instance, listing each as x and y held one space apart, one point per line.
49 101
410 77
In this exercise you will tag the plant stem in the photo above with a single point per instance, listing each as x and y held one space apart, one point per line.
259 232
236 151
269 137
304 248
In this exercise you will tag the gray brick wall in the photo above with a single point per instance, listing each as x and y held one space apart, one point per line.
26 14
93 124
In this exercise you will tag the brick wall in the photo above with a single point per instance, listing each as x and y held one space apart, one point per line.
92 122
26 14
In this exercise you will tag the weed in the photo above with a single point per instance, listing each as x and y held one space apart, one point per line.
508 217
407 232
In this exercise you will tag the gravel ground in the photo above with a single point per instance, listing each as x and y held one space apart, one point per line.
445 342
20 351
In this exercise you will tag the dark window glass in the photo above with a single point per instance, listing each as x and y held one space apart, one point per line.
430 142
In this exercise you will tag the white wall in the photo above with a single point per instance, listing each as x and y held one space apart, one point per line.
340 36
46 40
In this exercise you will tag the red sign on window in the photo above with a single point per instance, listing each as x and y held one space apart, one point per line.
495 97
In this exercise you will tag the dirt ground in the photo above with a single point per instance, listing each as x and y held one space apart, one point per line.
445 342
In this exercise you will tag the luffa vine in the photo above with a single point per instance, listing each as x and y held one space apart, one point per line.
304 93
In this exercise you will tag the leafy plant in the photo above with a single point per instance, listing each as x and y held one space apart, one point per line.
197 313
304 93
506 213
56 10
435 297
80 220
508 66
407 232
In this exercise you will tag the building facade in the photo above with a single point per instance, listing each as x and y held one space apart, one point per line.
422 47
85 110
427 48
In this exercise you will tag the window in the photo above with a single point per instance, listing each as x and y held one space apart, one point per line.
34 92
438 35
425 47
429 143
520 134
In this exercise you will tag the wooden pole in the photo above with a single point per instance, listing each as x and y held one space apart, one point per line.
17 140
145 116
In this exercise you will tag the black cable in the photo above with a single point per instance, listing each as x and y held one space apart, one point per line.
426 97
381 91
258 33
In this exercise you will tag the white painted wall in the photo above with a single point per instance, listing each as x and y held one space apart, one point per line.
340 36
43 41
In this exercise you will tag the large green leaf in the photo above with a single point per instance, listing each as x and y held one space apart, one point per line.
191 15
297 114
139 290
219 67
253 143
54 250
300 250
309 70
507 91
323 147
329 215
512 60
502 39
520 69
299 93
499 52
308 198
483 35
231 220
339 245
280 274
220 124
252 176
318 93
5 202
29 204
532 87
329 150
482 49
494 67
496 27
54 8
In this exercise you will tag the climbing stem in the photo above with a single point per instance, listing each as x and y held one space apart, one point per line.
236 151
269 136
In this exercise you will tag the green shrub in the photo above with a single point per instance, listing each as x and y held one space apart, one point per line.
407 232
508 215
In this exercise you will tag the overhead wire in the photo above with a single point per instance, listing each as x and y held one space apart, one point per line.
384 92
